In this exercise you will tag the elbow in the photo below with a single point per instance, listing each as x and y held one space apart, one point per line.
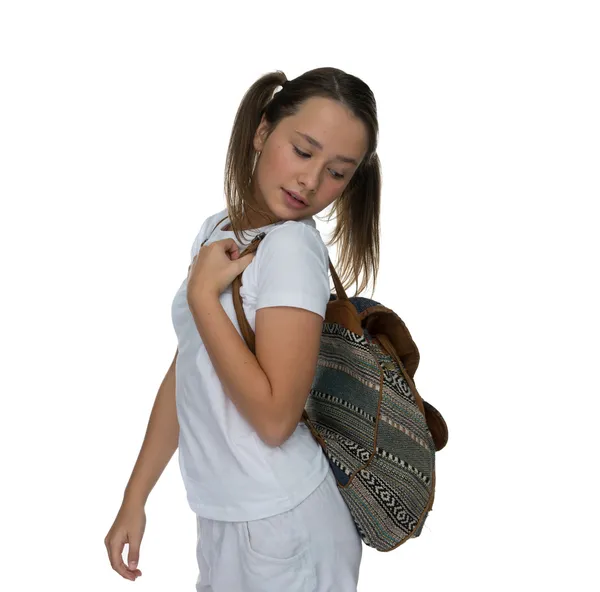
272 441
278 423
276 434
273 438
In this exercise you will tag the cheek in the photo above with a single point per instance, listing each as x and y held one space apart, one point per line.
281 159
273 169
328 195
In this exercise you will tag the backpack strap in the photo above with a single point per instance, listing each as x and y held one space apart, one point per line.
380 319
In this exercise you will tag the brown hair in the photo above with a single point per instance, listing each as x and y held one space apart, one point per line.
356 210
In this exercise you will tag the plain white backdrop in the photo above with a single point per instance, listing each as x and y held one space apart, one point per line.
114 124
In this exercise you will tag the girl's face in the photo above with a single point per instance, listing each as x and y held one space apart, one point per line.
291 160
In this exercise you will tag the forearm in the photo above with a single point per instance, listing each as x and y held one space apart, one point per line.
160 443
239 372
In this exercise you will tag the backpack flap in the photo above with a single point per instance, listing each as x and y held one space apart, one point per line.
343 312
437 426
380 319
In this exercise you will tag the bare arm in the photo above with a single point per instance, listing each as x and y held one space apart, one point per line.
270 388
160 442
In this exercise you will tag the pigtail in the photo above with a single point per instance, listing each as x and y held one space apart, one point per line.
241 155
356 233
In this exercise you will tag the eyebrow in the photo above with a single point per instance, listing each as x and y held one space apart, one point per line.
318 145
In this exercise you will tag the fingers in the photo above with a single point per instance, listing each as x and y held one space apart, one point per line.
115 550
232 248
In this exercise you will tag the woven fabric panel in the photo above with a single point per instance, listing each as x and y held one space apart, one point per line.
377 440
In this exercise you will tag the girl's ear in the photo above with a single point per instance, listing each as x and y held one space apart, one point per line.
260 134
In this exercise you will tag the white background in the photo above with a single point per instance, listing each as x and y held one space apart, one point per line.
114 124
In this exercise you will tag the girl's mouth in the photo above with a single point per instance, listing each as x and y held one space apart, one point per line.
292 201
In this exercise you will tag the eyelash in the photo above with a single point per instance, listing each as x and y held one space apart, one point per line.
304 155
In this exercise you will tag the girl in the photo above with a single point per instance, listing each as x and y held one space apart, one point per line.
269 514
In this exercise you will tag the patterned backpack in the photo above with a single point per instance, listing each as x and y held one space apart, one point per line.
379 436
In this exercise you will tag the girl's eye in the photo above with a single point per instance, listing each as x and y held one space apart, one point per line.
305 155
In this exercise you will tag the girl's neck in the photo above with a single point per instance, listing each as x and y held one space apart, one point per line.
252 221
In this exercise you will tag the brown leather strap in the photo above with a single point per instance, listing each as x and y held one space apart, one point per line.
341 293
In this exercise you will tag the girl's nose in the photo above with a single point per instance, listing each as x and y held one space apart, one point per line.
309 179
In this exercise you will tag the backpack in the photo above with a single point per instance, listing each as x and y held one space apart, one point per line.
377 433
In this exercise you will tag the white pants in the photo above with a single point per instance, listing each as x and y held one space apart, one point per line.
314 547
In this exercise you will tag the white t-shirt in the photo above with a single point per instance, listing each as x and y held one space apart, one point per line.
228 471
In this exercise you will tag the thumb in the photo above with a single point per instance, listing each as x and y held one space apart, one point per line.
133 556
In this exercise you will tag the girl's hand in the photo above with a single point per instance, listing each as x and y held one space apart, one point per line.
214 268
128 527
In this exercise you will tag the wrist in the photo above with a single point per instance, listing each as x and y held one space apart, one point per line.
134 500
200 296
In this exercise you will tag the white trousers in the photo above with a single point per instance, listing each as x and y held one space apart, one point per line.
314 547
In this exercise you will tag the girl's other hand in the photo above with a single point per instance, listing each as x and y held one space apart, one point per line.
128 527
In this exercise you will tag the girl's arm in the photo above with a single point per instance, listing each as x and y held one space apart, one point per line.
271 388
160 443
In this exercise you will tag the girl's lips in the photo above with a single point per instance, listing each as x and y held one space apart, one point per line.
296 196
293 202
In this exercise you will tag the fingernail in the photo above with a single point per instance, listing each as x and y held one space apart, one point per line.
132 564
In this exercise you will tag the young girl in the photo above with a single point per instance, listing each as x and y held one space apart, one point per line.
269 514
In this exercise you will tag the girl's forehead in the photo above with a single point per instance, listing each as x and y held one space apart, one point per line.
327 124
321 108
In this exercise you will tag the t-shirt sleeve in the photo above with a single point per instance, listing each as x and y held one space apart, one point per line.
207 227
293 269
